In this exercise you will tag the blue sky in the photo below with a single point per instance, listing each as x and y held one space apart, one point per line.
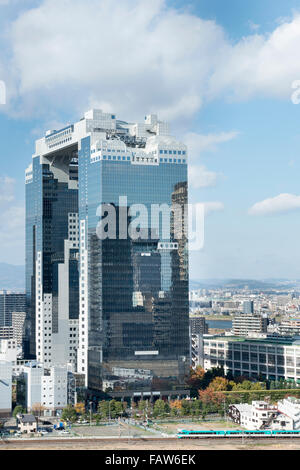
220 72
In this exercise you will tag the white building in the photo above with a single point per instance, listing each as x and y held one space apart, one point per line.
244 324
196 350
261 415
9 350
18 324
47 388
5 388
291 407
273 358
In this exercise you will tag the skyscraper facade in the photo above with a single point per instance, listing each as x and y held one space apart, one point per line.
52 250
131 272
10 302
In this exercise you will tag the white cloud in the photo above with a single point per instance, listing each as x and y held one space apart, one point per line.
253 26
263 65
12 227
201 177
279 204
7 186
198 143
141 56
214 206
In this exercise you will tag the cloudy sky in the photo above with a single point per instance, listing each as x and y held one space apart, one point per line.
222 72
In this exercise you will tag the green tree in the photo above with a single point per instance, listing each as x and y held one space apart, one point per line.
69 414
103 409
161 408
18 410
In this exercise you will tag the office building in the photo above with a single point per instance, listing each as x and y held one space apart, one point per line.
248 307
198 326
271 358
6 332
244 324
289 327
10 302
52 250
127 295
46 388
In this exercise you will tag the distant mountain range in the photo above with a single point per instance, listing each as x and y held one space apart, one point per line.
250 284
12 277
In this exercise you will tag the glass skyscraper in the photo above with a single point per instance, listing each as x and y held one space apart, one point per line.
125 296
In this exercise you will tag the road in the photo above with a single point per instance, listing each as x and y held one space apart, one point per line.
151 443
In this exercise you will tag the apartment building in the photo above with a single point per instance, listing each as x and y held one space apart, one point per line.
243 325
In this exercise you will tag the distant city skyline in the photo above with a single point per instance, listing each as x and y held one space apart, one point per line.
223 75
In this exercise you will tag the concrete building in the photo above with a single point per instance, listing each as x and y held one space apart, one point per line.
271 358
18 325
290 407
46 388
260 416
196 352
289 327
5 388
198 326
27 424
9 350
243 325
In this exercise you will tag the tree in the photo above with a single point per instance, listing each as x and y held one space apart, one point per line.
37 409
103 409
195 378
118 409
176 407
210 397
18 410
80 408
219 384
161 408
69 414
143 406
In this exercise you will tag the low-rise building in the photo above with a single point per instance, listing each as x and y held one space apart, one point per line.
261 415
291 407
27 423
